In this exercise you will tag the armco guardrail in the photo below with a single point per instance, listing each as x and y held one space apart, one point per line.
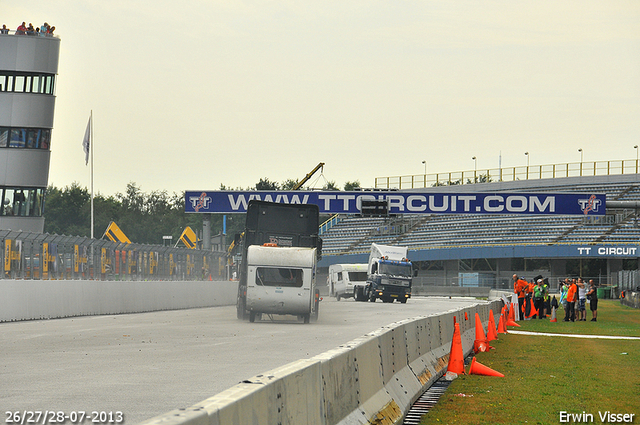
372 379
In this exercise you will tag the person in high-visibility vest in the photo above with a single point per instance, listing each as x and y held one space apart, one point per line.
572 295
547 299
528 294
519 286
538 298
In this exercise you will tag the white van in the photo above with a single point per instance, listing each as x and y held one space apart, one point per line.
344 278
282 280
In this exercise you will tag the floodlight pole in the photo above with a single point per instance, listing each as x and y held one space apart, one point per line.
475 169
581 158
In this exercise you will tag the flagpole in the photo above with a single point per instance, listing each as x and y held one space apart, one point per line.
91 148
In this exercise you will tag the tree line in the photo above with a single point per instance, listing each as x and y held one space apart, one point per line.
143 217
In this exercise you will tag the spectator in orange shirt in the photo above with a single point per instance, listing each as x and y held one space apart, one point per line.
519 286
572 293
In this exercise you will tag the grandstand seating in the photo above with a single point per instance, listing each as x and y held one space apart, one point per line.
355 234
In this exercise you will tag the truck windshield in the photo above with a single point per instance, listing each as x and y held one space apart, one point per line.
267 276
394 269
358 276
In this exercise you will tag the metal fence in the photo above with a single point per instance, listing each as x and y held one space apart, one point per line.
533 172
628 280
504 281
27 255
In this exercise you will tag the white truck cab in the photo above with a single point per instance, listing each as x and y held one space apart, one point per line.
390 274
282 280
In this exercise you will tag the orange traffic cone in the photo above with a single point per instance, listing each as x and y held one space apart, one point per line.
491 328
481 343
553 315
456 355
533 311
478 368
502 328
512 314
512 323
465 316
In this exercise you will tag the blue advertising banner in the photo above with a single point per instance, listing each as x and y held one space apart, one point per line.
336 202
513 251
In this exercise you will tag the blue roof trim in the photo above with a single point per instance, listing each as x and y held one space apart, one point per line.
515 251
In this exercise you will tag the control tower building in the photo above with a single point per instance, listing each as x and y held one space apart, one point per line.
28 69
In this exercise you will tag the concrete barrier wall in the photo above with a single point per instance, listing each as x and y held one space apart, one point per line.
372 379
453 291
49 299
631 299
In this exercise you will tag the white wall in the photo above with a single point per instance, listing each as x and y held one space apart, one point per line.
49 299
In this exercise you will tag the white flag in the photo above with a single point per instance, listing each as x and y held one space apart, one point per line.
85 142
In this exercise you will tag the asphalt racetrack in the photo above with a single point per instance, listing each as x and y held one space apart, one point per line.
147 364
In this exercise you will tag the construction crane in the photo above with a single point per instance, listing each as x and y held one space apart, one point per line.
238 240
308 176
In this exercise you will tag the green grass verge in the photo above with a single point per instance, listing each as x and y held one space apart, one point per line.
546 375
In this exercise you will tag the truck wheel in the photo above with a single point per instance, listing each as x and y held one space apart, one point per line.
252 316
306 318
403 300
314 315
372 298
362 295
241 308
337 297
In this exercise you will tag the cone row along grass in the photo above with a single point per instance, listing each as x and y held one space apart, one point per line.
553 379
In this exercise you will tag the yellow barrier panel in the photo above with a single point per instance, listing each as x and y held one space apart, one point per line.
7 255
132 261
114 233
189 238
153 262
45 260
103 260
76 258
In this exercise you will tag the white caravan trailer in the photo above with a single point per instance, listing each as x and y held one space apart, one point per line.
343 278
282 280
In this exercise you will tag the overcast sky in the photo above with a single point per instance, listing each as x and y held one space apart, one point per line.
188 95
